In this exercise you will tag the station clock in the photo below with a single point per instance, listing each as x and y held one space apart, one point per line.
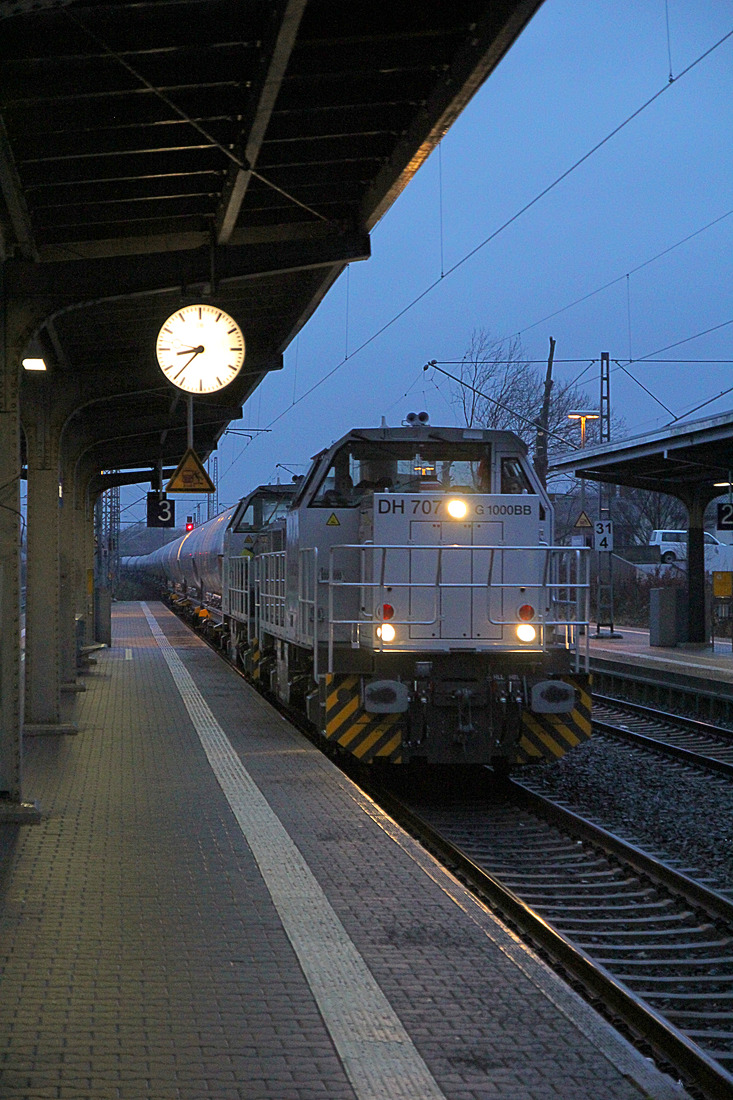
200 348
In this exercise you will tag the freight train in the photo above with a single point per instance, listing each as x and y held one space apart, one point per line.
405 595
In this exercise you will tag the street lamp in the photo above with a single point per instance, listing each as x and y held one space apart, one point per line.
583 416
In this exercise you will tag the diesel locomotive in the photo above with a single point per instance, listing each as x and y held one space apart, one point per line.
406 596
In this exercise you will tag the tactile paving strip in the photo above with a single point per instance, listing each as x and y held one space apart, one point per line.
377 1052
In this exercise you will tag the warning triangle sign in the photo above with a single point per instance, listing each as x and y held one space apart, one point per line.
333 521
583 521
190 477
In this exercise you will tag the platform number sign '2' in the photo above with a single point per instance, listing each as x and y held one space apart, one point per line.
725 516
161 511
603 534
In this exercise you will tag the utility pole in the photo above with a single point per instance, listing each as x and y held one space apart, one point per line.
212 501
604 585
540 452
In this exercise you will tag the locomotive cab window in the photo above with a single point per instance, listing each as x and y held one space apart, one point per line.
514 478
258 512
364 466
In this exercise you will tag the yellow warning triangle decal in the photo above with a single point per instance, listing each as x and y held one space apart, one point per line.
333 521
583 521
190 477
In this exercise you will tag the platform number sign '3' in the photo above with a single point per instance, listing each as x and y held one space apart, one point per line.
161 511
603 534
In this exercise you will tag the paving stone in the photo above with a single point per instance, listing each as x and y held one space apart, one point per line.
142 955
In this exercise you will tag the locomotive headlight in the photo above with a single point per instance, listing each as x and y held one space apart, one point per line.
457 509
526 633
386 632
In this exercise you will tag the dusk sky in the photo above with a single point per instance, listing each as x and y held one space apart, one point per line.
577 73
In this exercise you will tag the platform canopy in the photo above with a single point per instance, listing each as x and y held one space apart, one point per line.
691 461
161 152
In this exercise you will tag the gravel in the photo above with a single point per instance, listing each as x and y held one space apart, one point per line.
673 811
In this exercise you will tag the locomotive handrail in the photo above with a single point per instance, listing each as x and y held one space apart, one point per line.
581 590
271 596
305 601
271 588
570 622
236 583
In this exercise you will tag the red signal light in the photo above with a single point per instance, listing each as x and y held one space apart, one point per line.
189 527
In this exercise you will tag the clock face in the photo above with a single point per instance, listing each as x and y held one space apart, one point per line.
200 349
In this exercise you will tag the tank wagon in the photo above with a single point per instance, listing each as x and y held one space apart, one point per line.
193 565
409 599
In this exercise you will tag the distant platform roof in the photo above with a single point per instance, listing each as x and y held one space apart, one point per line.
685 460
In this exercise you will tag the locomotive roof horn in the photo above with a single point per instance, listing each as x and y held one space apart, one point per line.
416 420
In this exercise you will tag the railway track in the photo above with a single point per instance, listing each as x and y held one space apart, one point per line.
694 741
653 946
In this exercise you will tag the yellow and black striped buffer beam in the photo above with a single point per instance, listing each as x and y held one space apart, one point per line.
365 736
550 736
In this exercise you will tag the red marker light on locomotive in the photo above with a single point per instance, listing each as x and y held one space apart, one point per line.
387 611
526 613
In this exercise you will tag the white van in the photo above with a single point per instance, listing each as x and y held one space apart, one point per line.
673 544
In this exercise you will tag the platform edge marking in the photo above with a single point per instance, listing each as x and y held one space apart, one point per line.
378 1055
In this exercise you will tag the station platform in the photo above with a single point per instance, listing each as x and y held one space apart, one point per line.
210 909
711 665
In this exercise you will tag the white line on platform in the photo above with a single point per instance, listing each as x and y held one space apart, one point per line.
128 654
378 1055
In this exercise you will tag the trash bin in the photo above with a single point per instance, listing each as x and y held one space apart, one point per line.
103 615
664 617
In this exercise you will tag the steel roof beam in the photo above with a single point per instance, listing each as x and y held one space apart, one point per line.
75 283
490 40
15 199
253 132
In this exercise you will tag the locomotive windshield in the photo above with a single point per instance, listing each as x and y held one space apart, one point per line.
364 466
259 511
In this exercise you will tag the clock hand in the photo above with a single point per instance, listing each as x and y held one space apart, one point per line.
196 351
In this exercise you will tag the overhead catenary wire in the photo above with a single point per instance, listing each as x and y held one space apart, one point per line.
492 236
669 41
415 301
643 387
702 405
519 416
620 278
648 358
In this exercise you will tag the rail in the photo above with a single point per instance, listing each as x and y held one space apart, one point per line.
625 976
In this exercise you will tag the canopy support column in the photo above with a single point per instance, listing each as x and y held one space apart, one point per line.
12 806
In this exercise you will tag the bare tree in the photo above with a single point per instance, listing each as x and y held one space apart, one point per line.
644 512
500 389
498 383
